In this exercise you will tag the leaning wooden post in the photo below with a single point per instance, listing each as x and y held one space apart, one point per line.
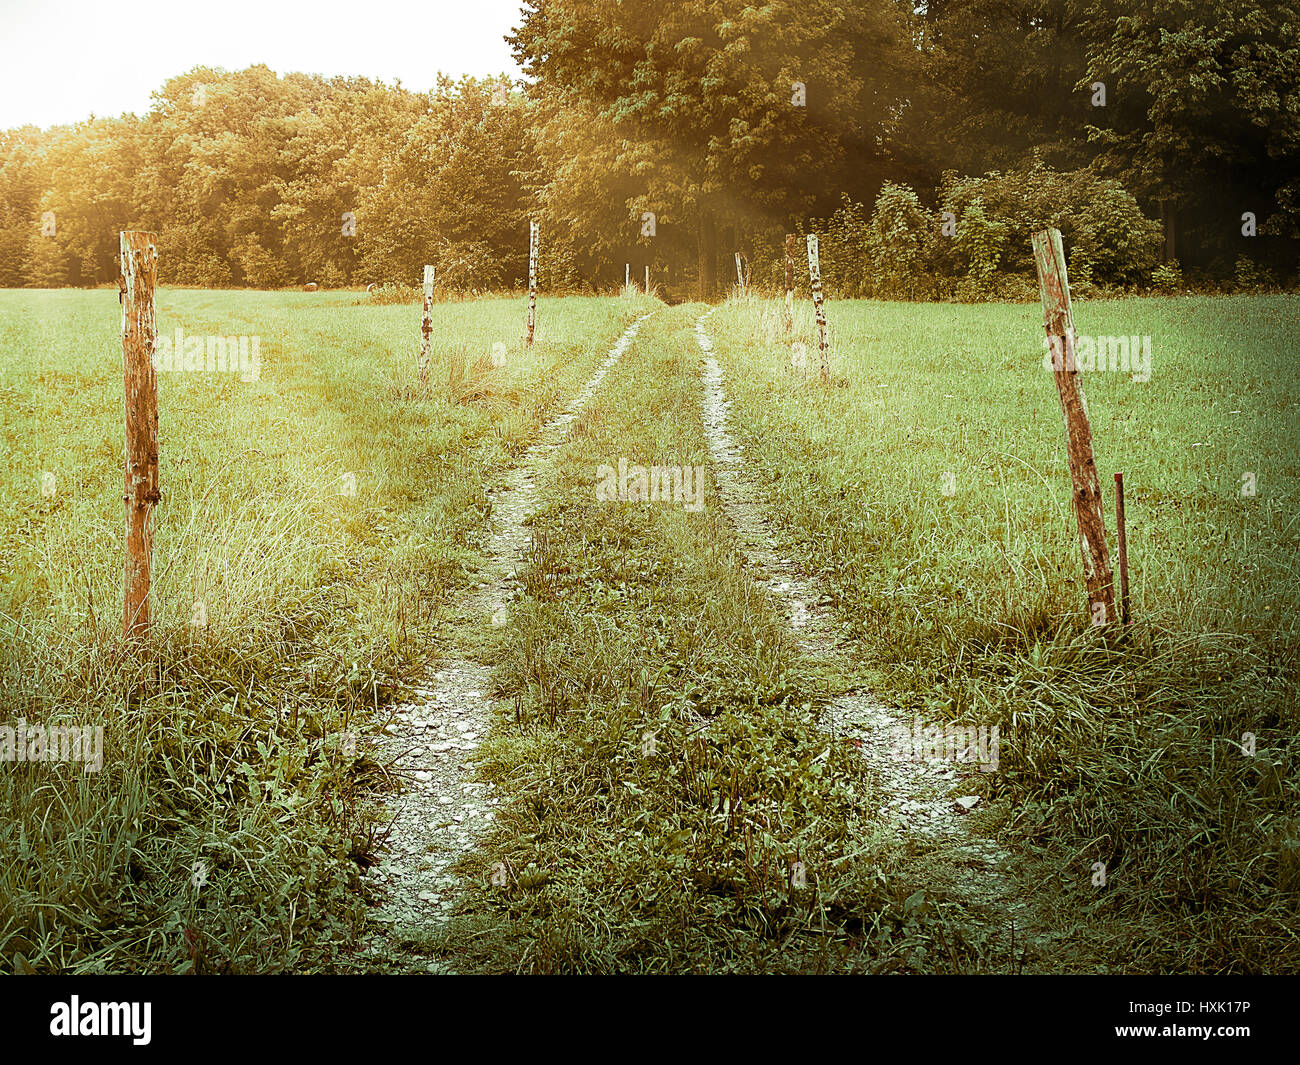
1049 259
1121 545
426 325
532 280
815 277
139 259
740 275
789 282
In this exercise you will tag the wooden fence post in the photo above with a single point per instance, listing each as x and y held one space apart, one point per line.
1121 546
139 259
789 283
627 276
647 279
1049 259
740 275
815 276
532 280
426 325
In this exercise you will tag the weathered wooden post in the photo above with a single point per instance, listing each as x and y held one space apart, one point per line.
139 259
627 276
426 325
532 280
789 283
740 275
815 277
1121 545
647 279
1049 259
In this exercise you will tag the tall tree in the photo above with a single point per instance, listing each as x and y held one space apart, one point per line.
738 110
1203 115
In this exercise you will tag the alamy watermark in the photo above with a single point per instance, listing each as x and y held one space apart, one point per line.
653 484
947 743
1092 354
209 354
53 743
77 1018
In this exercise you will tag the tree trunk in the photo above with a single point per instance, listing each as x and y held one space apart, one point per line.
708 254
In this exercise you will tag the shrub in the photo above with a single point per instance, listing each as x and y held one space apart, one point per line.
383 295
901 251
980 241
1119 244
897 238
1100 222
843 240
467 265
1167 277
1251 277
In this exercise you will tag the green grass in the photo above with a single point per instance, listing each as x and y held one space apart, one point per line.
223 742
970 606
663 768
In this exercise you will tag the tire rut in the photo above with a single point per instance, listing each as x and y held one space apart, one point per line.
431 740
915 795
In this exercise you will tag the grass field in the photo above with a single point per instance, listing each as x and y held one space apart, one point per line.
225 747
970 607
925 488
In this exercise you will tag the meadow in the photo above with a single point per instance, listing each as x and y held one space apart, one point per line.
927 486
924 489
222 746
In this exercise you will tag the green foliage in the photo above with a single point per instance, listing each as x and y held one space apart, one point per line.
696 114
844 242
904 250
1204 98
1167 277
980 241
898 238
1111 235
223 743
469 266
1250 277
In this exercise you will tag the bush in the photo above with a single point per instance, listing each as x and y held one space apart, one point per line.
260 268
1119 244
1107 238
898 236
843 242
903 252
468 265
1251 277
382 295
980 241
1167 277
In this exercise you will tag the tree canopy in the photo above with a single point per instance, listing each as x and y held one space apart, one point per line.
676 134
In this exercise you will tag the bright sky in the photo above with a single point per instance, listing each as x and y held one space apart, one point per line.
64 59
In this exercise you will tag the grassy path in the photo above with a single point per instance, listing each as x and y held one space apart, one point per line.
227 746
929 496
671 794
916 795
674 753
432 739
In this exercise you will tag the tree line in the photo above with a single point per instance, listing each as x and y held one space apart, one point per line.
923 140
